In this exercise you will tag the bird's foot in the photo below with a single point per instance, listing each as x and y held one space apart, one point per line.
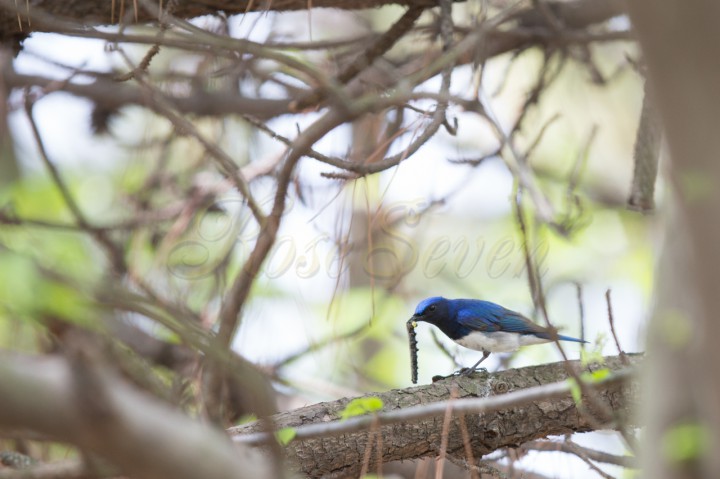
460 372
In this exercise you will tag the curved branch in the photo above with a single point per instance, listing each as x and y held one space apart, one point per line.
111 95
92 408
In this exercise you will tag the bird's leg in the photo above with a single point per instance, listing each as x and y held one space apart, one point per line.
466 371
463 371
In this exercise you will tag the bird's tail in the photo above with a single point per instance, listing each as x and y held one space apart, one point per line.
568 338
560 337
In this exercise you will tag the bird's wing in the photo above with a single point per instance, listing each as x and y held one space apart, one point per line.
513 322
490 317
477 320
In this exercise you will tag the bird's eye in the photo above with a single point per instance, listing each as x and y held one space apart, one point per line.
432 307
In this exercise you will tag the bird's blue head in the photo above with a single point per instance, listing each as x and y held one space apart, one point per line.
433 310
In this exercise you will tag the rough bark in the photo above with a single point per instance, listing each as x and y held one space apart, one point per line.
87 405
342 455
48 15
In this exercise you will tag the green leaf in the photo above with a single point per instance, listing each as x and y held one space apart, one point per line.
686 442
586 377
575 390
595 376
591 357
246 419
360 406
18 283
285 435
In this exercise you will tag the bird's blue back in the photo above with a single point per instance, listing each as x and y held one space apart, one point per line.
465 316
485 316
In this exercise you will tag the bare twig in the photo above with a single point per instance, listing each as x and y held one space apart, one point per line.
237 293
115 254
226 164
381 45
538 295
440 461
369 447
320 345
474 474
444 349
581 311
579 452
541 133
648 141
611 320
571 447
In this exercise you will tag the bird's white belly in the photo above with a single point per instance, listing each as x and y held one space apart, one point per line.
498 342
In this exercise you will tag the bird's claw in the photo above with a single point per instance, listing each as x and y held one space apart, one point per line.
460 372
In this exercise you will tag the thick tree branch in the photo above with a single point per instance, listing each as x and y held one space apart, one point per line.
510 419
98 412
570 14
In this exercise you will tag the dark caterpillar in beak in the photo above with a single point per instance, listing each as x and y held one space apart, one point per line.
411 325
